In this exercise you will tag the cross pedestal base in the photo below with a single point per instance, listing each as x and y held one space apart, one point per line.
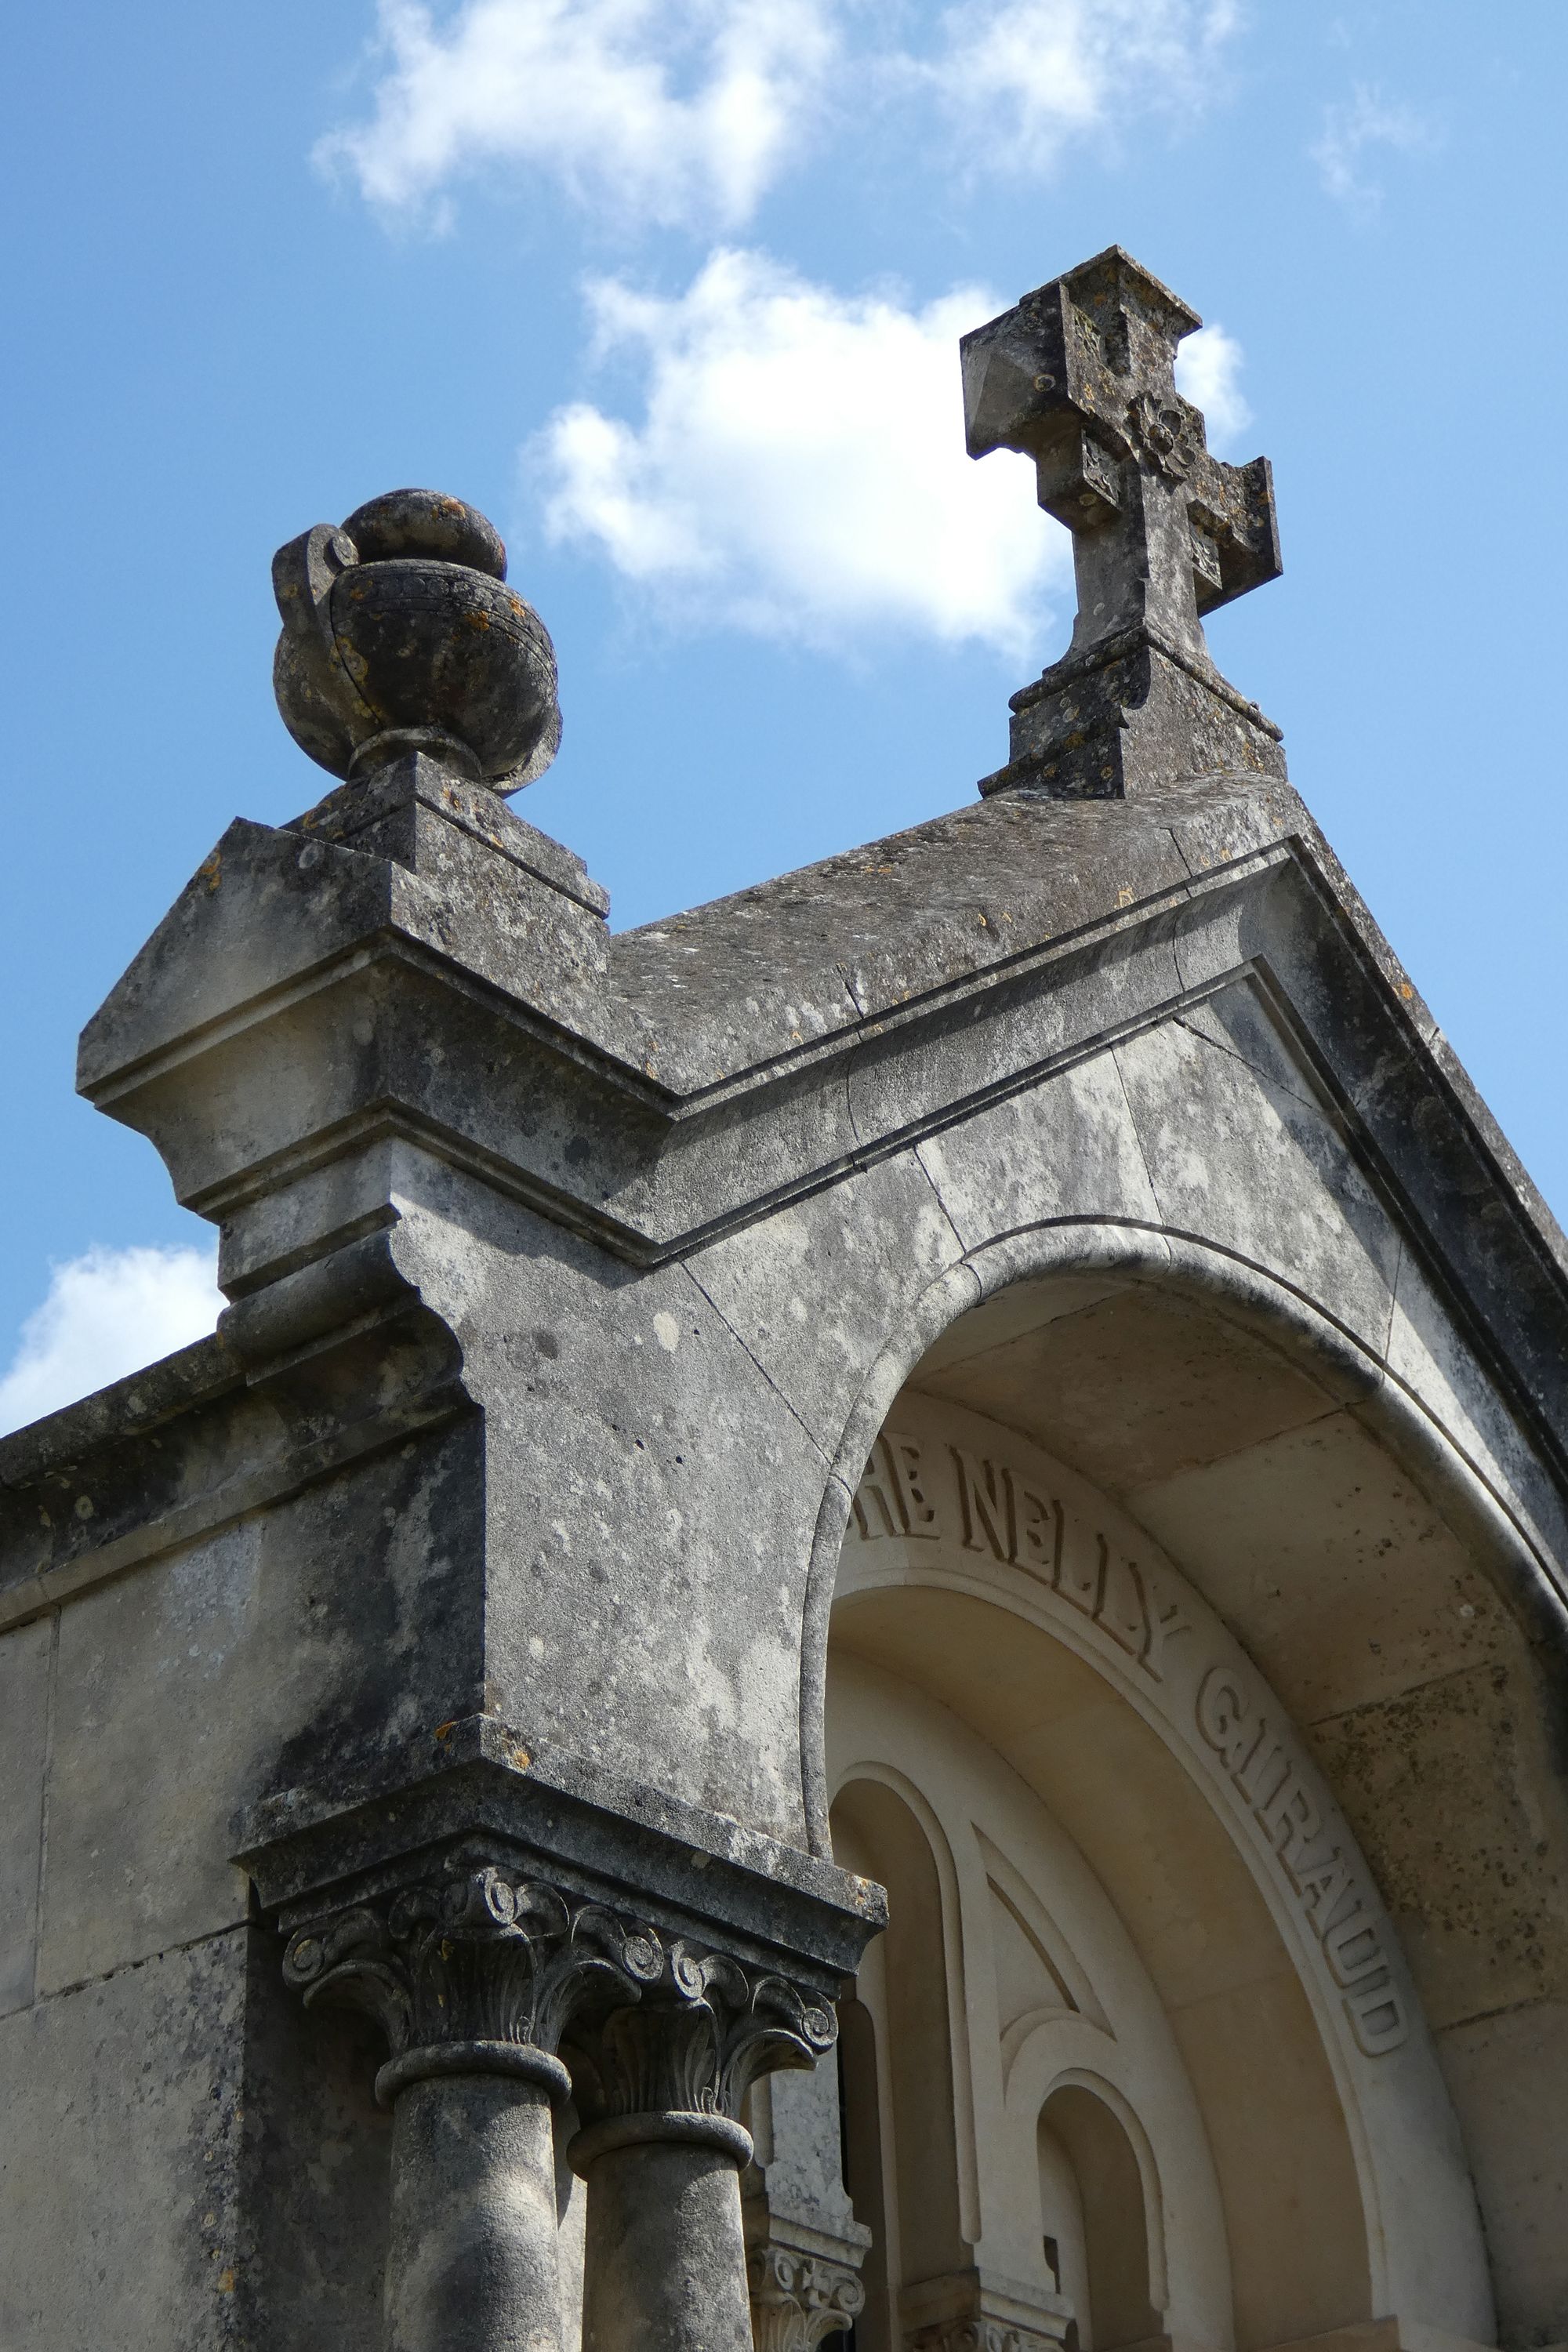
1129 715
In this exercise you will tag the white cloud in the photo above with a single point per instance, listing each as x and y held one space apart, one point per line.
667 111
106 1314
799 468
1039 72
687 112
1208 368
1363 120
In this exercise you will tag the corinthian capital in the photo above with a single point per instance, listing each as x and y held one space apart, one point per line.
798 2298
696 2044
477 1968
978 2311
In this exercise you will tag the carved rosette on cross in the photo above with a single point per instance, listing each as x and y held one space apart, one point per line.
502 1994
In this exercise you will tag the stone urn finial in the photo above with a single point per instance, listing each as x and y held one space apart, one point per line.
399 635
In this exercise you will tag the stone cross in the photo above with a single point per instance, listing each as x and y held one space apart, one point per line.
1079 375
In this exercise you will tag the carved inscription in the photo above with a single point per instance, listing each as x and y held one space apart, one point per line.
890 1499
1000 1513
1003 1515
993 1509
1325 1889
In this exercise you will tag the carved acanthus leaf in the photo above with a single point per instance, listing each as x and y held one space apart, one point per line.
481 1954
799 2299
984 2335
715 2024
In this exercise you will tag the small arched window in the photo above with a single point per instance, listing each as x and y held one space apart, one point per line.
1093 2219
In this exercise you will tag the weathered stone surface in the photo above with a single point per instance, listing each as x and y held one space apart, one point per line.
315 2180
1134 1385
1228 2040
642 1610
879 1239
319 1629
1066 1148
1454 1788
1427 1354
25 1662
473 2251
398 627
1499 2065
804 2247
412 809
664 2257
1249 1162
120 2165
1350 1585
154 1685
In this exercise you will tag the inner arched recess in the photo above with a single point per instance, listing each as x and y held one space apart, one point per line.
1241 2020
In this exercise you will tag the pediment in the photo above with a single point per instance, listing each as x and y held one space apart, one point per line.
1185 985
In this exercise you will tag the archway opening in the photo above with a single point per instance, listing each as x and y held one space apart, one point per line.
901 2123
1095 2230
995 1614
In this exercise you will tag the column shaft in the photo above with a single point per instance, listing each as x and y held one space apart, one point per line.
471 2266
665 2262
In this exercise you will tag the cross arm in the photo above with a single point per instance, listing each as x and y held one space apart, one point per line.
1031 383
1235 526
1066 374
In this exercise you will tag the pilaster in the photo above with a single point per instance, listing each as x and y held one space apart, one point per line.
804 2248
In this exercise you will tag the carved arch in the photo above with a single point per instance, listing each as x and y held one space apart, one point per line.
990 1815
1405 1423
1100 2135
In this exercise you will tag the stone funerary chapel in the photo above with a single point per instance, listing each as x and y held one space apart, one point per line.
858 1635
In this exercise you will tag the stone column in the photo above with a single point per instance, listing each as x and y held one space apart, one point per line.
473 1977
662 2147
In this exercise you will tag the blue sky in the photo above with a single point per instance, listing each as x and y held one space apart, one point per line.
671 289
